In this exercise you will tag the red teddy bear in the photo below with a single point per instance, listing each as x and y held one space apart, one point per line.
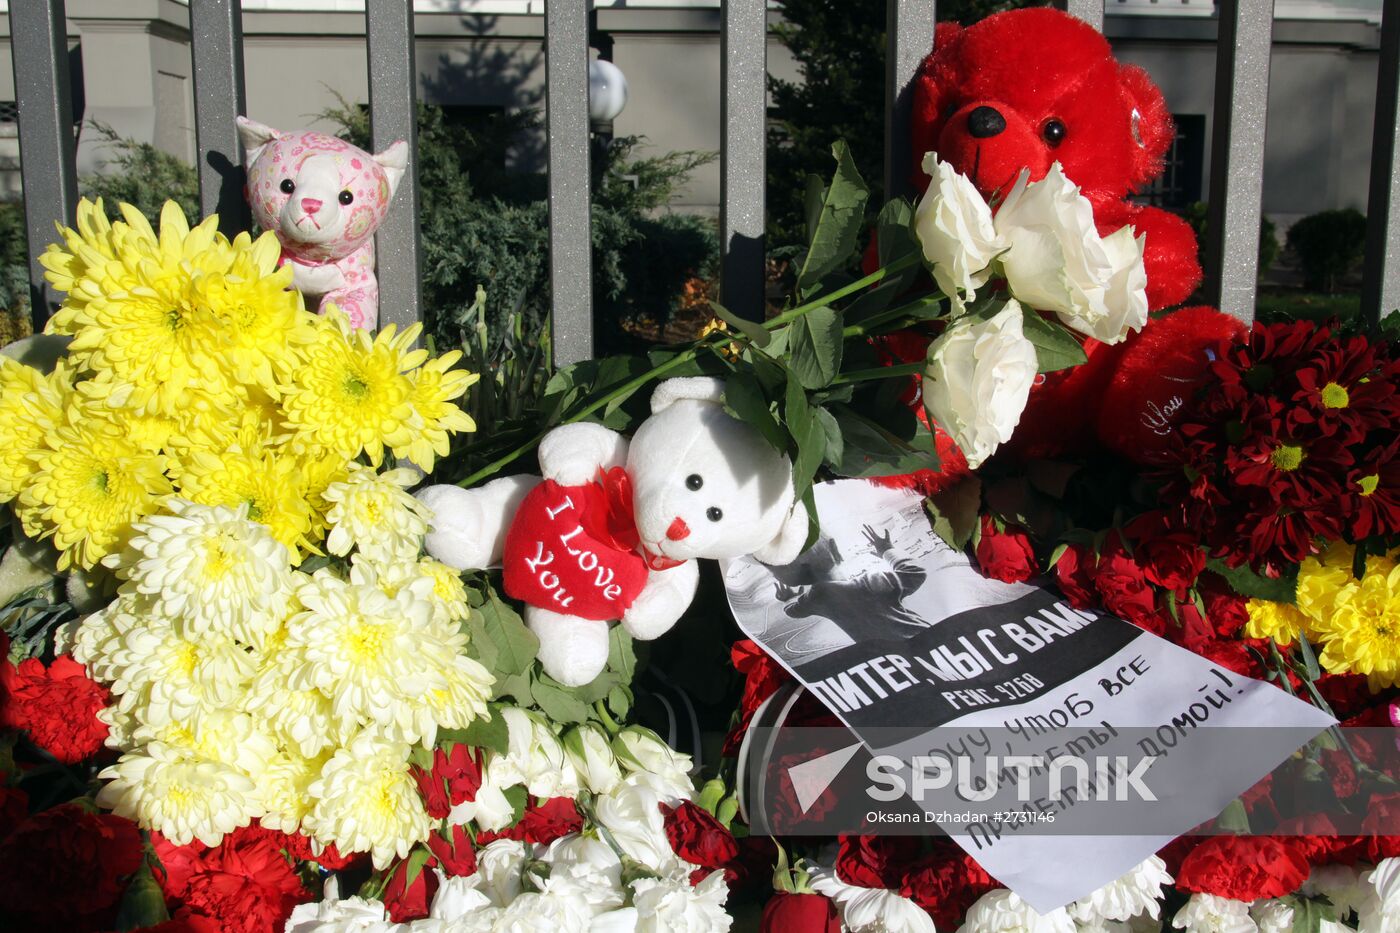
1028 88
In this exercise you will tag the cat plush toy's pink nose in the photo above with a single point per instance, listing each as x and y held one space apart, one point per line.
310 205
679 529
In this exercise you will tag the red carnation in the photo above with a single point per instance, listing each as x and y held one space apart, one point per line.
1074 573
299 847
786 912
245 883
1244 868
542 823
698 837
1005 554
57 706
947 882
14 809
762 676
875 861
1122 584
66 869
1225 612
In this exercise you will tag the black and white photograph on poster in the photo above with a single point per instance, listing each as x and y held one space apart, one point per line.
917 653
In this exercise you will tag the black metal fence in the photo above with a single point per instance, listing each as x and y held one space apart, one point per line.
47 146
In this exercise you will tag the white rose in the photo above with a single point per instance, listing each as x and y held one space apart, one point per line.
1206 913
1135 894
978 379
534 758
641 751
489 808
674 906
593 759
955 229
632 816
870 909
1056 261
1002 910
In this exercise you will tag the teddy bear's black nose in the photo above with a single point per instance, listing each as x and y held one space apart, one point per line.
984 122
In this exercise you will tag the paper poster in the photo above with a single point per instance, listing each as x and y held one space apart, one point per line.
928 662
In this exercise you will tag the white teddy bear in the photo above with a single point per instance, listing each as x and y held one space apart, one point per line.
613 529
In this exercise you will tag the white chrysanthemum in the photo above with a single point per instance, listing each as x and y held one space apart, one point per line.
674 906
1381 910
432 580
96 637
534 757
284 785
375 657
160 675
301 718
179 793
1207 913
870 909
210 567
223 735
1002 911
1138 892
374 512
366 801
1272 916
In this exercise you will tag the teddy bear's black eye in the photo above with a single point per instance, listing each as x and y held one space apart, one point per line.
288 186
950 109
346 197
1053 131
694 481
713 514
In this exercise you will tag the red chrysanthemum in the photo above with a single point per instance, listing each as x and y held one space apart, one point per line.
66 869
57 706
1290 467
1373 493
1341 393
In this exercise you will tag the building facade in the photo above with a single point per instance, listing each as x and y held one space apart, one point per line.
131 71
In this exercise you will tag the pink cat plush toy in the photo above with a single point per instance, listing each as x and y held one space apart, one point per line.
323 198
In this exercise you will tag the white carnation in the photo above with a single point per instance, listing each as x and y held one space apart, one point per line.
632 816
674 906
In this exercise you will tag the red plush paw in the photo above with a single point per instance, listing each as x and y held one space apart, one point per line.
1158 371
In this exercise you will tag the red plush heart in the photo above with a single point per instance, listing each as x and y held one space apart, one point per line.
569 550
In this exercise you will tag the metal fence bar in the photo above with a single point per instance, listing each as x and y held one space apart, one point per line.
1380 283
393 114
1237 154
216 46
1091 11
908 40
570 210
47 147
744 134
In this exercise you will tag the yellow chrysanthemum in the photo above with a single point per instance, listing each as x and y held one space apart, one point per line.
435 385
271 483
179 793
90 483
366 801
449 592
435 581
1280 621
1321 578
351 394
85 253
31 405
211 567
143 320
1362 632
373 512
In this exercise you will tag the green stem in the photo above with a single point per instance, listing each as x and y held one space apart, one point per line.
879 372
686 356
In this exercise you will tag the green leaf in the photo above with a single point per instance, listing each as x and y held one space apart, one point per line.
870 449
754 331
1309 913
412 867
557 701
516 646
143 904
515 685
831 435
620 700
807 433
834 228
1310 665
744 399
622 657
517 797
955 512
1055 346
1246 582
490 733
813 197
816 348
